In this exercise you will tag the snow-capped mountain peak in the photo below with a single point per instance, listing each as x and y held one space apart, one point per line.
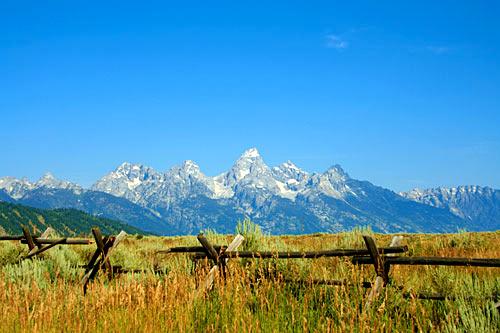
291 166
49 181
249 177
131 170
469 202
434 196
336 174
292 177
289 171
332 183
249 157
16 188
191 168
187 170
251 153
282 198
128 181
249 164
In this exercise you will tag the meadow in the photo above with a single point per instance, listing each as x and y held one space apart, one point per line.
45 295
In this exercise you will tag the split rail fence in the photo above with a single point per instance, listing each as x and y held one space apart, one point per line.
382 258
38 244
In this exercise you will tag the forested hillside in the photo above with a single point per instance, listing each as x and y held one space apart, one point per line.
68 222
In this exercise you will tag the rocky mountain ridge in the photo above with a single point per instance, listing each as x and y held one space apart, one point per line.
480 204
283 199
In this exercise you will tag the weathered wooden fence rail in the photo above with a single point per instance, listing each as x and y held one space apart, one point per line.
432 261
37 244
302 255
68 241
99 261
381 258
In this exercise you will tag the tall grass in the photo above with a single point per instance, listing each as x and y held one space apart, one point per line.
45 294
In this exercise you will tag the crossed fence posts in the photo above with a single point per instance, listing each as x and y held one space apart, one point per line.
38 244
381 258
100 258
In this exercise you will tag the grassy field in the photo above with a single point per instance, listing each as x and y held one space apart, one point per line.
45 295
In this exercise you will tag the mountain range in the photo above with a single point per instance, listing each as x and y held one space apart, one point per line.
478 205
282 199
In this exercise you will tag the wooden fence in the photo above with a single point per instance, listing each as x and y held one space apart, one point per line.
382 258
37 244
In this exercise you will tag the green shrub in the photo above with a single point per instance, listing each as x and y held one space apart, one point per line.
10 253
254 237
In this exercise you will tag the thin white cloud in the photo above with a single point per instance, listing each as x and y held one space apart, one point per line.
438 49
336 42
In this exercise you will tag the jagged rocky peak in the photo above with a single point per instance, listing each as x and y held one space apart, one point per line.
17 188
135 171
413 193
288 172
249 165
333 183
470 202
129 181
435 195
251 153
186 180
14 187
191 168
187 171
289 165
249 162
127 167
336 174
283 199
49 181
248 179
471 189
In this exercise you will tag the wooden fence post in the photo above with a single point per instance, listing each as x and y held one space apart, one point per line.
38 251
99 241
381 267
395 242
29 238
33 251
237 241
216 257
105 245
209 248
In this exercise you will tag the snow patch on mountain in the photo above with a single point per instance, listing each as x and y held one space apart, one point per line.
129 181
283 198
49 181
250 178
18 188
470 202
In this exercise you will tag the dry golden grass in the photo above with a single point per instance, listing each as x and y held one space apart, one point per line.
46 295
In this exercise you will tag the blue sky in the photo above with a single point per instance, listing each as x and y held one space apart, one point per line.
403 94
